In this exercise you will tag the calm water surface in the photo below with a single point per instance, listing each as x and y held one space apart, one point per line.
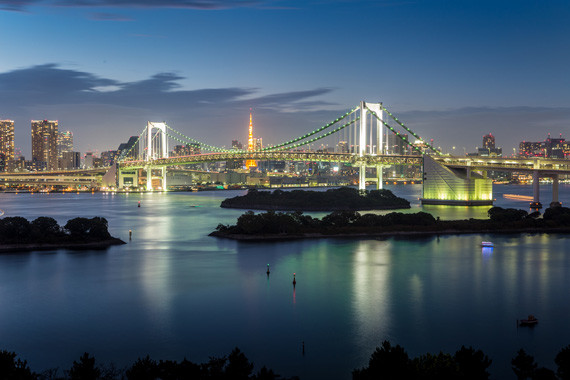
174 292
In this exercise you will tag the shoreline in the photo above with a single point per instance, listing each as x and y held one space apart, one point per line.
29 247
387 234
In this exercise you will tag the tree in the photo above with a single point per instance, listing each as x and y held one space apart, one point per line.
78 227
523 365
14 369
238 367
562 360
543 373
143 369
15 229
85 369
472 364
387 362
45 228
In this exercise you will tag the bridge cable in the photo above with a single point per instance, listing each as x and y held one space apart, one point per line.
409 130
320 129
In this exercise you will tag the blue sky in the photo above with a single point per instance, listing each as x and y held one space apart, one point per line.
452 70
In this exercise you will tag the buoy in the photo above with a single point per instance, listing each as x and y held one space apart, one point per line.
294 281
130 234
139 203
268 270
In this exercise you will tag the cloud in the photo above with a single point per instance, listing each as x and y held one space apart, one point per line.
20 5
104 16
105 111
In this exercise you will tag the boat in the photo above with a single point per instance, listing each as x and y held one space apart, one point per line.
487 244
530 321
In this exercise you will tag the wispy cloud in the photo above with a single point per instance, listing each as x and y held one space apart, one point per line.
105 16
20 5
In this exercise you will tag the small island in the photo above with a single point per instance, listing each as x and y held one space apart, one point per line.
294 225
44 233
343 198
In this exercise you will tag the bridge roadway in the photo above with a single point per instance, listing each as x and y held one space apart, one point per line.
544 167
354 159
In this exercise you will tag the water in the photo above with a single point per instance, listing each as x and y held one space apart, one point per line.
174 292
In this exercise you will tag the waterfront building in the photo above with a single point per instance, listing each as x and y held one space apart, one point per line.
549 148
88 160
44 143
108 157
64 143
71 160
7 139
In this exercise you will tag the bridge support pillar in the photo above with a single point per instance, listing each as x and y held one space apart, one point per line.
149 178
362 177
163 169
535 190
555 202
379 179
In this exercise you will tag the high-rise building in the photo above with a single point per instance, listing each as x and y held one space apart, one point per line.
237 145
130 149
64 143
44 142
7 139
489 141
71 160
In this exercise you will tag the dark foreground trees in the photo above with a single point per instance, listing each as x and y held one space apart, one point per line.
45 230
343 222
235 366
392 362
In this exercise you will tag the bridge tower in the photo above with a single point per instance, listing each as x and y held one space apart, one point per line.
366 147
156 146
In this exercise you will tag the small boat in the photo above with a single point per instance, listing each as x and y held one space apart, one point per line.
487 244
530 321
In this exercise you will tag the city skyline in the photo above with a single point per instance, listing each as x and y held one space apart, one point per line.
452 72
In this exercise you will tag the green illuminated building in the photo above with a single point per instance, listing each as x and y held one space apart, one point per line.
455 186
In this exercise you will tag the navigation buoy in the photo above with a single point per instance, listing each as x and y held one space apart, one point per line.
130 234
268 270
294 281
139 203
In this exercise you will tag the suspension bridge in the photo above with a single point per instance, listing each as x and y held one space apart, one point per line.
360 138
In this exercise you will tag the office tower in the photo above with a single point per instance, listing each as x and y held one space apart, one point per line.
71 160
108 157
237 145
7 139
44 142
342 147
489 141
258 143
64 143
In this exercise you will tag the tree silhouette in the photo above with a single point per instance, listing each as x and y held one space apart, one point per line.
14 369
523 365
85 369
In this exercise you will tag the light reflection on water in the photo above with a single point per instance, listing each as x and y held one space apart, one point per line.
174 292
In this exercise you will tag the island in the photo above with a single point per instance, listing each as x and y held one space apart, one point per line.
44 233
295 225
343 198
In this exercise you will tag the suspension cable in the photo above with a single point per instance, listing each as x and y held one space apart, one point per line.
277 147
403 138
408 129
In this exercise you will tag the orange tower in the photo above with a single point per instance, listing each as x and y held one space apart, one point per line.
250 147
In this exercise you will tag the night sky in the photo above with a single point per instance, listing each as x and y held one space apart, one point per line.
451 70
